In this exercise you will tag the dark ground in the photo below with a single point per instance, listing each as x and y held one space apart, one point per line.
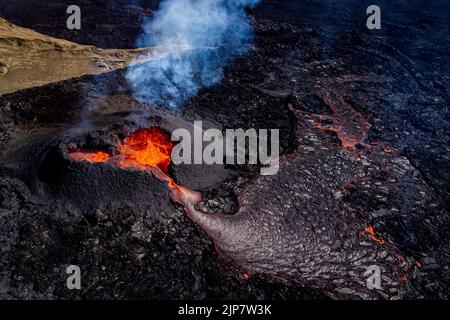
317 58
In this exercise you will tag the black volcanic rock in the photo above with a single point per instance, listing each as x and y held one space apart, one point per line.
105 24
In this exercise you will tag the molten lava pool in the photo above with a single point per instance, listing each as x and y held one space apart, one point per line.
143 149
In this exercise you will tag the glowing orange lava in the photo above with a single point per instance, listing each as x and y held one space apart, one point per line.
146 148
91 156
371 232
142 149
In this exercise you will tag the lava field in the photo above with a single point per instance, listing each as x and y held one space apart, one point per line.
87 179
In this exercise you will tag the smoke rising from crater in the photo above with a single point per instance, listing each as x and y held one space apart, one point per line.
214 30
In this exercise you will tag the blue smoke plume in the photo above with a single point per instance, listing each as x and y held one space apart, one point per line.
215 30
